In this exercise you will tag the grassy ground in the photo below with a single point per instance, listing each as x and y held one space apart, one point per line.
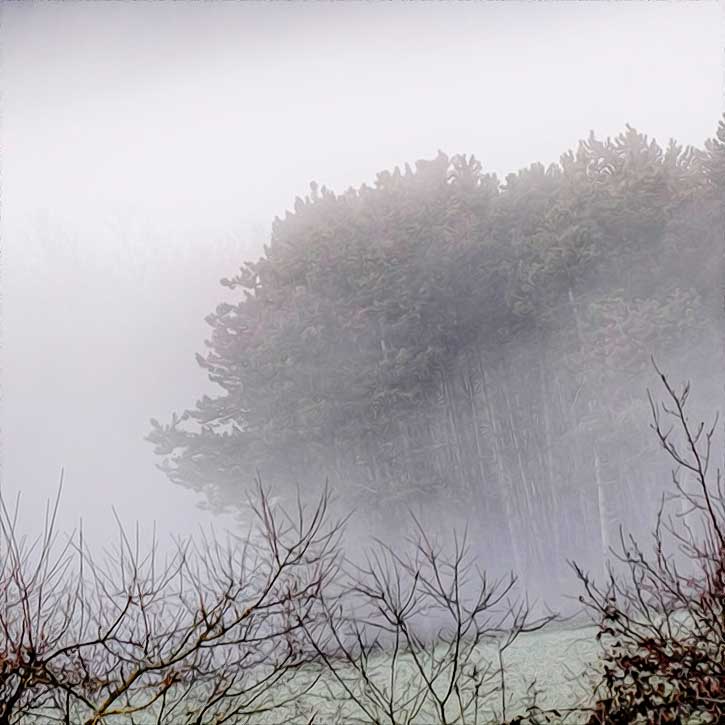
552 661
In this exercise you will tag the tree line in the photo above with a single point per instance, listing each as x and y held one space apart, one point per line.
445 336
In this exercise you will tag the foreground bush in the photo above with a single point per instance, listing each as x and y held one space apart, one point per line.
661 615
418 634
267 628
200 636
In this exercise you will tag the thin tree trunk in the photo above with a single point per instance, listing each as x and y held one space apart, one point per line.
456 445
601 501
507 495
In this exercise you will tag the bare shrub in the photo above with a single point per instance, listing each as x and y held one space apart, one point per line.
199 636
418 637
661 614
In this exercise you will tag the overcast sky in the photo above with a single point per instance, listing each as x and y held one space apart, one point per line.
147 147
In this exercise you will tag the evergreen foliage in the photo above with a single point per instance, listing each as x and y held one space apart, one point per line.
444 334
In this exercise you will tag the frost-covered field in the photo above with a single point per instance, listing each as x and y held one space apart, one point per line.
549 663
552 661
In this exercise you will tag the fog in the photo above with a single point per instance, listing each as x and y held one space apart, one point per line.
148 147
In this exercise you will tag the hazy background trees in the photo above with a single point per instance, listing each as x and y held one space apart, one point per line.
443 337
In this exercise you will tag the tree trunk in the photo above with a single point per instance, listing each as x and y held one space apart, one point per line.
506 492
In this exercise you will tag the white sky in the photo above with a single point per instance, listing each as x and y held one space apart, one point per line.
145 135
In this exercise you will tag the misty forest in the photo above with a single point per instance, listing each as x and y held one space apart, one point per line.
446 343
456 437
